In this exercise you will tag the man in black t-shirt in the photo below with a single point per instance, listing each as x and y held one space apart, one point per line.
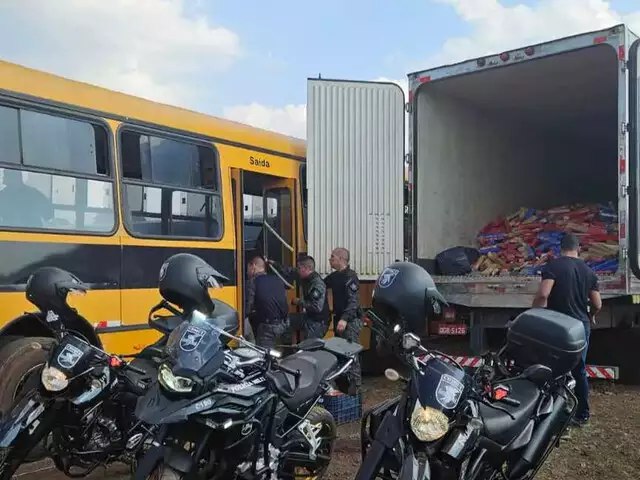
568 285
347 315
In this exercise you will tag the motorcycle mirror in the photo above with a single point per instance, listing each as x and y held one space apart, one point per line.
392 374
410 341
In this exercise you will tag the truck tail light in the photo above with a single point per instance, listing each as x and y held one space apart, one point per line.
529 51
504 56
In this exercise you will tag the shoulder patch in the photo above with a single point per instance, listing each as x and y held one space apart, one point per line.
353 286
315 294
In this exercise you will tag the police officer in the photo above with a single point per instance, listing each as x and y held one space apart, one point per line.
347 318
268 303
314 299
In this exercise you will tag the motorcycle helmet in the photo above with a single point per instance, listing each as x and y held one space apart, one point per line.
48 288
405 294
185 280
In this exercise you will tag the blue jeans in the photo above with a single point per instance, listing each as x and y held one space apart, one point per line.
582 384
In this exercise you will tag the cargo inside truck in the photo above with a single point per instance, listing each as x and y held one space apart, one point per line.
539 133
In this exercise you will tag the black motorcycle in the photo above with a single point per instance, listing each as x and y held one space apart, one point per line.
500 422
83 407
245 413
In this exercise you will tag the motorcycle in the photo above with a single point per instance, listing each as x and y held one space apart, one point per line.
500 422
82 408
247 413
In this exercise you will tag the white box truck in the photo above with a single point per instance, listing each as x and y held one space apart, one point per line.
539 126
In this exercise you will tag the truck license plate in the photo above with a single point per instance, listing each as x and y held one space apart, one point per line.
452 329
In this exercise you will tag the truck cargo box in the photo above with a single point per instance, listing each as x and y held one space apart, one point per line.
536 127
537 134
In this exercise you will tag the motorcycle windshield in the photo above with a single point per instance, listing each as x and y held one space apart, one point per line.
72 355
441 386
195 346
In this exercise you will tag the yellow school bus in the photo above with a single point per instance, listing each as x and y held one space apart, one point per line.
107 186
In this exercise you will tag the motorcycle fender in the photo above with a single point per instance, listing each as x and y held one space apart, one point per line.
415 468
391 428
386 437
21 422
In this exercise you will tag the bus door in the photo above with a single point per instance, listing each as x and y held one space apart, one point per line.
265 225
279 240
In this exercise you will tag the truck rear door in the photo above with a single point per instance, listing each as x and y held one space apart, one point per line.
355 158
634 159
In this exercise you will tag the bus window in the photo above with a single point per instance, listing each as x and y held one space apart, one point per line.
75 196
170 187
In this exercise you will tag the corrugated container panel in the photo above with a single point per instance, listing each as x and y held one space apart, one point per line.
355 150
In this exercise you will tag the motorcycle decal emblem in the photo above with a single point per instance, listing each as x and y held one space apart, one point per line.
69 356
246 429
191 338
387 277
449 391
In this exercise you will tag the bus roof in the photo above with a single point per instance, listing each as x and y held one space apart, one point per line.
27 82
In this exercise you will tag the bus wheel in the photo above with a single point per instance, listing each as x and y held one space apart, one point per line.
20 364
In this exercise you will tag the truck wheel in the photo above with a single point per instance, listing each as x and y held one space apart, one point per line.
20 365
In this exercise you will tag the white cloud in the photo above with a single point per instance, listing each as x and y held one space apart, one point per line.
497 27
290 119
149 48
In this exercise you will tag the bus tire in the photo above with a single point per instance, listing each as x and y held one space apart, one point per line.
6 340
19 359
20 362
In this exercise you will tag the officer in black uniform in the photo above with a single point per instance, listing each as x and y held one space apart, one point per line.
347 315
268 303
314 299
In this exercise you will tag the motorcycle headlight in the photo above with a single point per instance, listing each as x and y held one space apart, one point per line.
173 383
53 379
428 424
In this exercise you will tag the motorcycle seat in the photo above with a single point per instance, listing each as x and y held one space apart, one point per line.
500 427
314 367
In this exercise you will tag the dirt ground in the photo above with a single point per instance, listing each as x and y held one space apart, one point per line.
609 448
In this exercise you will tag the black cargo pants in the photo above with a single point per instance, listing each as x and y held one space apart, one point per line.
269 334
352 333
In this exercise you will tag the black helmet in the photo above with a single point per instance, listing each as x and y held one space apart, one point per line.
185 280
48 287
405 294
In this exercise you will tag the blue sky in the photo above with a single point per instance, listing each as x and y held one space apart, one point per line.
249 60
288 42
